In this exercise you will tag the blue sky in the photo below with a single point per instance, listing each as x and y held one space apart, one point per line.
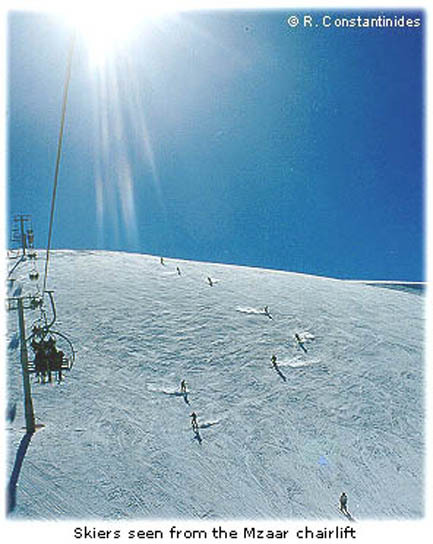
227 137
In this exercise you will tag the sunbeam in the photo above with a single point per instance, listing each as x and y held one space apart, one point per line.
125 160
114 173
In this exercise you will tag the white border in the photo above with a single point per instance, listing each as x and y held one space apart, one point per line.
368 532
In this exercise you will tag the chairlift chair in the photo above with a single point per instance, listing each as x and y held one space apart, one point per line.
30 237
34 275
53 351
56 354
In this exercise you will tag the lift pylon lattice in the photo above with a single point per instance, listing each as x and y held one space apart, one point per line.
22 232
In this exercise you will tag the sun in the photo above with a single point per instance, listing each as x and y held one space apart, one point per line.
105 31
107 28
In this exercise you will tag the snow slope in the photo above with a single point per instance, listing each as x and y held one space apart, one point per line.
348 414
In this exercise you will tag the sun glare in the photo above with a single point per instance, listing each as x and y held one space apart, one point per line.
105 32
107 28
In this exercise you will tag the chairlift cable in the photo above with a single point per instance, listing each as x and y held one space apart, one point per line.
21 259
59 152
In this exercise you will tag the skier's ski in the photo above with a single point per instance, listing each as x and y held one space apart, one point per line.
347 515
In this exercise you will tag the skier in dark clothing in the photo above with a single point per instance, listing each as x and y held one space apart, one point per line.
343 503
266 312
210 281
300 342
274 361
194 423
183 386
178 271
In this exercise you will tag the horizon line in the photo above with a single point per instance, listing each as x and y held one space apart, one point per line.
375 281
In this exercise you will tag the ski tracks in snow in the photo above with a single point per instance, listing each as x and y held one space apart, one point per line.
136 456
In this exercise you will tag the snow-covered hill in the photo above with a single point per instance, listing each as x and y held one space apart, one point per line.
347 414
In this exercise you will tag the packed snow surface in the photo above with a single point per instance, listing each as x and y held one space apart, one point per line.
343 409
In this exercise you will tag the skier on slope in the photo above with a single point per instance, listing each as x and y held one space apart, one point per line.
178 271
266 312
183 386
300 342
274 361
210 281
343 503
194 423
161 260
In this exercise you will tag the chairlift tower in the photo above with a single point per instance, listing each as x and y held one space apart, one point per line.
22 232
23 237
19 303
